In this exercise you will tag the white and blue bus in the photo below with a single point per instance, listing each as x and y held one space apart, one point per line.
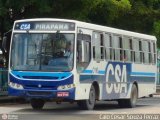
69 60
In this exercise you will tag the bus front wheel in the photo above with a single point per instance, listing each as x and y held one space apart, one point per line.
131 102
89 103
37 104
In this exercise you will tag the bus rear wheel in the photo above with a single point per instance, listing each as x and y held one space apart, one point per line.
131 102
89 103
37 104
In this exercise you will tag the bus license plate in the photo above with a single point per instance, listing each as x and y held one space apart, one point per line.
62 94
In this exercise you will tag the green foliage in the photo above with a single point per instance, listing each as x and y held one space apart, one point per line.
156 31
135 15
105 11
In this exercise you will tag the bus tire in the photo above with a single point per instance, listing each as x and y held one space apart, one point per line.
37 104
89 103
131 102
151 95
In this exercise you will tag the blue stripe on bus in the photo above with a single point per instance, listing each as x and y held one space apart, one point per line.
142 74
87 71
91 71
101 72
132 73
102 78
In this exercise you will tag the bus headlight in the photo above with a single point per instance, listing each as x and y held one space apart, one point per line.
15 85
66 87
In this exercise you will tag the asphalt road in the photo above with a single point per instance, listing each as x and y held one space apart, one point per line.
147 108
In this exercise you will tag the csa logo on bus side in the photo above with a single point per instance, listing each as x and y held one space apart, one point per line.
116 78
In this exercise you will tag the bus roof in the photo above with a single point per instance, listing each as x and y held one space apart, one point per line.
98 28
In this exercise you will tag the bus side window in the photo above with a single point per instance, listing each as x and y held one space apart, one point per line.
150 54
96 37
153 52
94 53
102 46
145 50
83 53
116 46
141 52
131 49
108 46
136 49
122 54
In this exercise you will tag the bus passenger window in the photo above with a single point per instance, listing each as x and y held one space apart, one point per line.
150 56
111 51
136 50
131 50
153 52
117 47
108 46
102 49
94 56
141 52
145 50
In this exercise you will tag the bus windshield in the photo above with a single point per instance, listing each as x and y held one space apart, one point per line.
42 52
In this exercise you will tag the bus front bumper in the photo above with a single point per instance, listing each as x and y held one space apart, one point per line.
68 94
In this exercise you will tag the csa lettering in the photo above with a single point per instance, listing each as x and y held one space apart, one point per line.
120 76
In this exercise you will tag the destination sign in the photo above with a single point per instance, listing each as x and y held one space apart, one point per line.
45 26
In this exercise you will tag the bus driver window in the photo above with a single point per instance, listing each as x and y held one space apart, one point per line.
83 55
79 56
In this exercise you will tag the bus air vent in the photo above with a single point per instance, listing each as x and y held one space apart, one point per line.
39 93
40 77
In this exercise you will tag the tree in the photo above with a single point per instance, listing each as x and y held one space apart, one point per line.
156 31
134 15
105 11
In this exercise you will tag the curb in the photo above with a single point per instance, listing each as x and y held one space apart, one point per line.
11 99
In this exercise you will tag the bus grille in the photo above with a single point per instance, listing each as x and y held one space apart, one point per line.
42 87
35 93
41 77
